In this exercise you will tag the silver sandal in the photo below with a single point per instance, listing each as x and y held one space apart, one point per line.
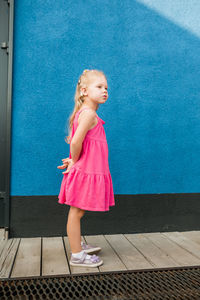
93 261
90 249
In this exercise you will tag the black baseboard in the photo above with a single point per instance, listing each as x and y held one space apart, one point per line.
43 216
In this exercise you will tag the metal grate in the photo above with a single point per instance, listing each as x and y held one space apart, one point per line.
156 284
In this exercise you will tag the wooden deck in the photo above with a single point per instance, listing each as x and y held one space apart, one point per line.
25 257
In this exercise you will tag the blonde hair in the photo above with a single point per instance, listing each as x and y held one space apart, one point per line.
78 98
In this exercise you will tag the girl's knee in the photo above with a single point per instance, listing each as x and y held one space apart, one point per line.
77 211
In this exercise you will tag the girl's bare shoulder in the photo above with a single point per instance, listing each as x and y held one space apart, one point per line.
88 114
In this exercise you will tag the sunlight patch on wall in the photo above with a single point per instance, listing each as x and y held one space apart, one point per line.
184 13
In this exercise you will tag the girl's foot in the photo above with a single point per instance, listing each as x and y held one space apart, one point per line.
86 261
90 249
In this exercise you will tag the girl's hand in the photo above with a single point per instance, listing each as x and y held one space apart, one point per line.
71 163
65 162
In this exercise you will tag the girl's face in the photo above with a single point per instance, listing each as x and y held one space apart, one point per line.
97 89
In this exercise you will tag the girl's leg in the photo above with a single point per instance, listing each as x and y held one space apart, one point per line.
74 228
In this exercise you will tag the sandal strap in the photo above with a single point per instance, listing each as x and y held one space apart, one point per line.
95 258
83 257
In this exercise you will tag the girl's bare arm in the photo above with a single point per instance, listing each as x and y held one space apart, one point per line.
87 120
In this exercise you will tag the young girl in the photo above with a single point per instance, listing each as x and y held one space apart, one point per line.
87 182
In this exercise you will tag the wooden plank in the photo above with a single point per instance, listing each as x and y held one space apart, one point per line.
2 245
151 252
111 261
54 260
181 256
77 270
8 256
129 255
192 235
27 262
2 234
184 242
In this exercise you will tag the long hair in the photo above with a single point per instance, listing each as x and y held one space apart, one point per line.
78 98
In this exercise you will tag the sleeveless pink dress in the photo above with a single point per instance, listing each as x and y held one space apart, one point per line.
88 185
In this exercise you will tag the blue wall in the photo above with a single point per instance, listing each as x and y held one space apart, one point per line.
152 115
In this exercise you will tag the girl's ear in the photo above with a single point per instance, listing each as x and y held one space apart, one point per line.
84 91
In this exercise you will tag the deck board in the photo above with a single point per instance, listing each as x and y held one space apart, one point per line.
2 245
1 234
156 256
29 257
188 245
192 235
128 254
27 262
181 256
7 257
54 260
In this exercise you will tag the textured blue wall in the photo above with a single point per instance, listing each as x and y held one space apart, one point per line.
152 115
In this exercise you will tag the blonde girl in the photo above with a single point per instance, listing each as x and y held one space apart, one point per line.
87 183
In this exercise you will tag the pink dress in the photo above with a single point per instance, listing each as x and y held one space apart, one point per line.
88 185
